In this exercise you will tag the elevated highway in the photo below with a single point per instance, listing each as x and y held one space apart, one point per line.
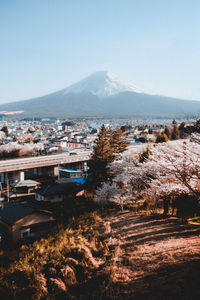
20 164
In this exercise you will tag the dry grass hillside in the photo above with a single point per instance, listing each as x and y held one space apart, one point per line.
153 258
110 255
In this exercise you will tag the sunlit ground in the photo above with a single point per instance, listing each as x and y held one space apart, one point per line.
153 258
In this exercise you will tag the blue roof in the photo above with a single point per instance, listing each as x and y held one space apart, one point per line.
80 180
70 171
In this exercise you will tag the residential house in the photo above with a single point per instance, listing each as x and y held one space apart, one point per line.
58 192
18 222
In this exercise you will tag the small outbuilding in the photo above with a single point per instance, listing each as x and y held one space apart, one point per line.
24 186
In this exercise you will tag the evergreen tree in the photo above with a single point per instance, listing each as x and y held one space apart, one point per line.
110 135
175 132
174 122
182 130
182 126
5 129
118 145
167 132
102 155
197 126
126 127
161 138
107 146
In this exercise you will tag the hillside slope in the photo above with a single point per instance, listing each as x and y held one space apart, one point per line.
112 255
153 258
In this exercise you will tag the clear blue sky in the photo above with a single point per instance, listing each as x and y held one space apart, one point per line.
45 45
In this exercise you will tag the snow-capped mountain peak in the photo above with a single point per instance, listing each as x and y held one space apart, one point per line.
101 84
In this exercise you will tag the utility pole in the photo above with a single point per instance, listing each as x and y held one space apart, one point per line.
0 189
58 173
8 191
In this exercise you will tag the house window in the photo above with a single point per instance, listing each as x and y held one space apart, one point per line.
26 233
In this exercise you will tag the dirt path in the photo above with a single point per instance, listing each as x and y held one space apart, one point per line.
152 258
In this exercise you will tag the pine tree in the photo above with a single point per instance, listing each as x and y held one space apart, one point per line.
102 155
175 132
102 149
167 132
110 135
182 126
174 122
107 146
5 129
126 127
118 145
161 138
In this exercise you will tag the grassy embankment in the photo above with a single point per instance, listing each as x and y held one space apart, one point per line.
114 255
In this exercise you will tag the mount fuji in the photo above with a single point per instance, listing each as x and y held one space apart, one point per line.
102 94
102 84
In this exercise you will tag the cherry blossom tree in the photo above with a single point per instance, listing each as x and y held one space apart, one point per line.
173 167
14 147
120 190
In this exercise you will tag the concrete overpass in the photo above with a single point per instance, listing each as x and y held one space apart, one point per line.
16 167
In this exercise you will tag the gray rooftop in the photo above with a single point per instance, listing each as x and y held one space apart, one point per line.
12 212
59 188
24 183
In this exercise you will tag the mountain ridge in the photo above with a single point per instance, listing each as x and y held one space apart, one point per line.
101 84
103 94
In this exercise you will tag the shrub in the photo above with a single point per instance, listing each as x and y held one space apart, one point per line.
54 264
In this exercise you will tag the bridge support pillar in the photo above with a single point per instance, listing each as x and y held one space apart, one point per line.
39 171
55 171
2 177
18 176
